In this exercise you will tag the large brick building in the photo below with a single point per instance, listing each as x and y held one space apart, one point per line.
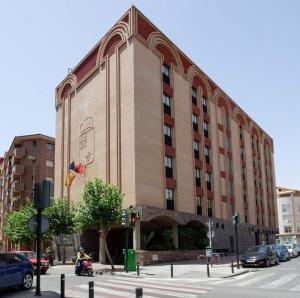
29 160
138 113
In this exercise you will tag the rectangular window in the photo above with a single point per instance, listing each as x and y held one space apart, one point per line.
209 208
49 163
231 189
227 122
167 104
204 104
169 198
166 74
208 181
196 150
205 129
199 205
197 177
169 166
286 208
230 167
49 146
206 154
194 96
241 133
195 122
168 135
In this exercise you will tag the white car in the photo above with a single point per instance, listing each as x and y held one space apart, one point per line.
292 250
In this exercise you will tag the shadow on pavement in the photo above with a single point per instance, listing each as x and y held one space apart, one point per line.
15 293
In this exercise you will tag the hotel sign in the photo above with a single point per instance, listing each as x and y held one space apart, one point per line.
87 141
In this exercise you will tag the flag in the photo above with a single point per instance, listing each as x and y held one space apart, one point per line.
69 179
72 166
80 169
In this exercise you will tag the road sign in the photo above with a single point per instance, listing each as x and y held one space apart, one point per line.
32 224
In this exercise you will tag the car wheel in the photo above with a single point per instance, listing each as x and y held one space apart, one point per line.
27 281
267 263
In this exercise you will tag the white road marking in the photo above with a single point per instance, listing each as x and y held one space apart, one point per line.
279 282
296 289
162 282
253 280
112 292
231 280
161 287
148 289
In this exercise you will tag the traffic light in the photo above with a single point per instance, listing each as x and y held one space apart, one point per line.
236 219
125 219
133 219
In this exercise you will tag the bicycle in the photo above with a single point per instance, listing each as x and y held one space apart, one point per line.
203 259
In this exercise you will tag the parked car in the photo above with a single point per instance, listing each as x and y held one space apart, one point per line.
15 271
259 255
282 252
298 248
31 255
292 250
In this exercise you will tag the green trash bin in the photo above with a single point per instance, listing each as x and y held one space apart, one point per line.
131 257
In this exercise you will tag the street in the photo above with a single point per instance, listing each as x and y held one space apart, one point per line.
277 281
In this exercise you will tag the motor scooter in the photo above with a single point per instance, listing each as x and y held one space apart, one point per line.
85 269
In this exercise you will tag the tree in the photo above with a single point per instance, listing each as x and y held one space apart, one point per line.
16 225
101 208
62 222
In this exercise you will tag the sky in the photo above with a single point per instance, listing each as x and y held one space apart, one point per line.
251 49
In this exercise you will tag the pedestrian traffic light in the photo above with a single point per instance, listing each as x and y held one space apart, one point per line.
125 219
236 219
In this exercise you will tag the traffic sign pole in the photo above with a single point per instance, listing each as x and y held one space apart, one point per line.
38 248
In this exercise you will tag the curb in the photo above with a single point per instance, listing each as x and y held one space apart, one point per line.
237 274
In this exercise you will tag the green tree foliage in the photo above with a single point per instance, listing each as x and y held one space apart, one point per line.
193 237
101 208
62 222
16 225
61 217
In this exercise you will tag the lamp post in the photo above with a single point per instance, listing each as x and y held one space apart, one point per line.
38 238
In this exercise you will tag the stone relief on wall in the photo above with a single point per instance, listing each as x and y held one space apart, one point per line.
87 141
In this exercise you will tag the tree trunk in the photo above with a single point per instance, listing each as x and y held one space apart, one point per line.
103 236
102 255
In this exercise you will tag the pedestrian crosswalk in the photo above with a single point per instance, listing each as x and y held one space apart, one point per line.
125 287
260 280
115 287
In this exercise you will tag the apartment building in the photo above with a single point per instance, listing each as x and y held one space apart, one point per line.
288 202
29 160
138 113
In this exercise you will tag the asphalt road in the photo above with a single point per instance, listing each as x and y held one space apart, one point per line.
278 281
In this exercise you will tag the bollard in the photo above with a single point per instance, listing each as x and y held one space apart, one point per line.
62 286
208 274
138 269
172 273
138 293
232 268
91 289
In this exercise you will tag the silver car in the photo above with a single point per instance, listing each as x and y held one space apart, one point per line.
292 250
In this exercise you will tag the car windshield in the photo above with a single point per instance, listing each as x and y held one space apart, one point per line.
288 246
257 249
275 247
29 254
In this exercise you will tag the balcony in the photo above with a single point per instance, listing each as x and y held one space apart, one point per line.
17 186
19 153
17 171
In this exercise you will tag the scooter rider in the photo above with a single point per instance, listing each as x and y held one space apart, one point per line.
81 255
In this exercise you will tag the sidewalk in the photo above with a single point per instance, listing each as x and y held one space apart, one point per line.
188 270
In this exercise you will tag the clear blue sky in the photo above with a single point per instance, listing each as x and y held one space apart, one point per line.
251 49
